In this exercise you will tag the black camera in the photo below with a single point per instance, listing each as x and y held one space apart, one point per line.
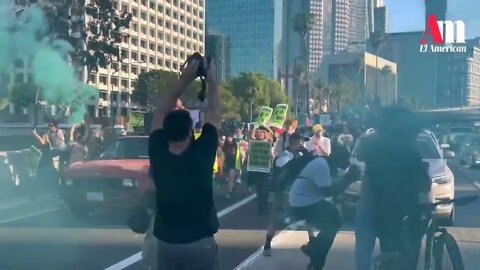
202 72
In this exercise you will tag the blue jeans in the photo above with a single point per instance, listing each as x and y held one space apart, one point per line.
365 234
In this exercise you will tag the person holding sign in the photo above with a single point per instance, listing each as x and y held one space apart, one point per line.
319 144
289 127
259 164
230 152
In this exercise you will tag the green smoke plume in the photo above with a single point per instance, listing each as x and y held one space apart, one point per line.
51 72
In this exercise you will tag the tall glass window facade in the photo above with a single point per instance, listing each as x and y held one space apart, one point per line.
254 28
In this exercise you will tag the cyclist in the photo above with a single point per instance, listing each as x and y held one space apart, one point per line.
395 177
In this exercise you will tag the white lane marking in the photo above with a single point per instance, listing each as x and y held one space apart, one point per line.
476 184
259 251
138 256
29 215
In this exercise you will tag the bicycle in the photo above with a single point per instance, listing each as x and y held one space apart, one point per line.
439 242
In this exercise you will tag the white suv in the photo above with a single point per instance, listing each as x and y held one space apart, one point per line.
443 183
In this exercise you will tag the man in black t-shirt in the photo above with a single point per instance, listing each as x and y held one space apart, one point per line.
182 169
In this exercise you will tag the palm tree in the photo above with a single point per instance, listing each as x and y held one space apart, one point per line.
302 25
386 71
378 40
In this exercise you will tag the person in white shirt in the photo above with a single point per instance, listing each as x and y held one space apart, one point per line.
289 127
319 144
346 139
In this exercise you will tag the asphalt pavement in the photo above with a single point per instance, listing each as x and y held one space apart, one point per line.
45 235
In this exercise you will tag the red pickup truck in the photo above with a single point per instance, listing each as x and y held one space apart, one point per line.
116 181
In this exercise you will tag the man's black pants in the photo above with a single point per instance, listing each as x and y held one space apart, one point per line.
324 217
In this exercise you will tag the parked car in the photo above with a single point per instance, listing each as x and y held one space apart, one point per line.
117 180
469 151
443 184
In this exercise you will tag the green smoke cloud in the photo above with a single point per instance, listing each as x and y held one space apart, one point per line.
51 72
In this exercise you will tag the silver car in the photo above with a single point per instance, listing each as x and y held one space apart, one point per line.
469 151
443 182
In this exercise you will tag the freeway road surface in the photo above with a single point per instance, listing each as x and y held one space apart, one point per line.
47 236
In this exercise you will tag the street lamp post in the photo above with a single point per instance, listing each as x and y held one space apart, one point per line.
252 92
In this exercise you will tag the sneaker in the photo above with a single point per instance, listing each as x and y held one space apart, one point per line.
239 180
229 195
267 252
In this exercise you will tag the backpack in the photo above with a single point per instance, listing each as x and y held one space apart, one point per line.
290 172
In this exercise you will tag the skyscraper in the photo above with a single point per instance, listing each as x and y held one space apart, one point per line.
437 7
341 25
217 46
381 19
254 28
358 28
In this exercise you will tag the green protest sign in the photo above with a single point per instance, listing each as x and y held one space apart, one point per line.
259 156
264 114
279 115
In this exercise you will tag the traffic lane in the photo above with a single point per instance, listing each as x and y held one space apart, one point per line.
62 217
80 244
242 232
466 216
53 248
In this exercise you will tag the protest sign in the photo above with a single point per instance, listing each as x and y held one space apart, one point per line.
264 114
279 115
259 157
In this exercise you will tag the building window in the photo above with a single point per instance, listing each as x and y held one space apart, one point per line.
135 27
134 12
160 22
134 41
134 69
143 58
175 27
194 35
152 60
152 5
169 38
182 55
133 84
114 81
200 26
124 68
103 79
189 9
152 46
182 30
160 48
124 53
168 51
175 53
124 8
160 35
134 56
144 2
175 15
142 70
175 65
175 41
167 25
143 16
92 78
167 63
160 8
159 62
168 12
200 14
182 42
182 18
152 32
124 83
143 44
189 33
152 18
182 6
125 39
143 30
195 24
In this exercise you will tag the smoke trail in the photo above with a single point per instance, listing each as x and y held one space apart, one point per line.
19 39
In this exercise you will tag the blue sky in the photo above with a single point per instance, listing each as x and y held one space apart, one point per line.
408 15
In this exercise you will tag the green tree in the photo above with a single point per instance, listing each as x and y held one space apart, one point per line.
342 93
156 82
268 92
22 95
230 105
96 42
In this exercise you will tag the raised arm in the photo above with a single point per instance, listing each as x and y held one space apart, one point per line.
167 102
72 132
213 96
39 138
